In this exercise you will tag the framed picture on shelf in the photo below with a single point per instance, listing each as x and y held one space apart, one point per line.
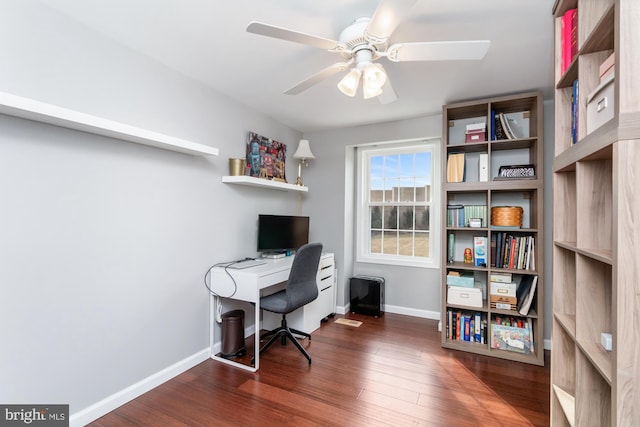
266 157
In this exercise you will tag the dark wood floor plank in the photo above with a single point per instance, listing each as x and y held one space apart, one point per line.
390 371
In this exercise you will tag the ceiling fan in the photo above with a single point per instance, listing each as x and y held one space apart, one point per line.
364 42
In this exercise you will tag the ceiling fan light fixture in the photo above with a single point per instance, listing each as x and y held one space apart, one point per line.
374 76
369 92
349 83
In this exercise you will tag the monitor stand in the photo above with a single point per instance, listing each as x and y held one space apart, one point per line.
273 255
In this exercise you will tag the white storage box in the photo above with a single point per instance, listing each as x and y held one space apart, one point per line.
471 297
502 289
600 105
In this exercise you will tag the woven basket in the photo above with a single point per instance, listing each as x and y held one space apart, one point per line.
506 216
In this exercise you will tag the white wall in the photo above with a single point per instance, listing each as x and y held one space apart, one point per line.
409 290
103 243
413 291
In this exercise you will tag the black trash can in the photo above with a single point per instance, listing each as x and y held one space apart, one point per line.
233 334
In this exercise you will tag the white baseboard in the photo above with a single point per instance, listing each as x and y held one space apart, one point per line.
425 314
108 404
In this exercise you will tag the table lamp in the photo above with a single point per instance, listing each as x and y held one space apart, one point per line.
302 153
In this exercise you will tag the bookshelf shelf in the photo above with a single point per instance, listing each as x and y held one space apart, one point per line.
475 196
567 402
596 206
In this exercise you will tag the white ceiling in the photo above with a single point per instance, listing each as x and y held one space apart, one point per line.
206 40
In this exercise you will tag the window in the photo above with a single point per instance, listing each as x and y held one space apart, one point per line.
398 193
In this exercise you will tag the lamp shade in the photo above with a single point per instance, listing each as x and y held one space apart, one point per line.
349 83
303 151
369 92
374 77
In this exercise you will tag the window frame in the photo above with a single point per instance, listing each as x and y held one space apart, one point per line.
363 218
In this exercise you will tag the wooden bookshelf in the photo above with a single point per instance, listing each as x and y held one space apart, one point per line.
477 189
596 209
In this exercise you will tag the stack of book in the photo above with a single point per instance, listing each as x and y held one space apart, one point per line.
505 127
513 252
466 326
459 215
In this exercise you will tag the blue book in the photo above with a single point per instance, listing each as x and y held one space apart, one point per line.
476 329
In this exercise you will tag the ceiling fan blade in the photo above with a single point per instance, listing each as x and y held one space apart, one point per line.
318 77
438 51
294 36
388 15
388 95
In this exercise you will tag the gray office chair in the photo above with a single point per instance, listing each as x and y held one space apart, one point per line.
301 289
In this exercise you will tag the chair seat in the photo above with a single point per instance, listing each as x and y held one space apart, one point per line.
276 302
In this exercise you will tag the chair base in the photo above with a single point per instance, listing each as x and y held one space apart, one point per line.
284 332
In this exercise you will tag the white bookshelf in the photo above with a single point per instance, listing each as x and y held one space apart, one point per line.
31 109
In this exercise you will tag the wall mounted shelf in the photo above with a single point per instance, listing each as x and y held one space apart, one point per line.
30 109
265 183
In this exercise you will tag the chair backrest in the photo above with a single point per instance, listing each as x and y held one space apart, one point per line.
302 287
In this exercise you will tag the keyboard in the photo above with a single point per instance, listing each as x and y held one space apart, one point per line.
246 264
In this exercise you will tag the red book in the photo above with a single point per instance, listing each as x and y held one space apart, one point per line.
512 253
567 22
574 33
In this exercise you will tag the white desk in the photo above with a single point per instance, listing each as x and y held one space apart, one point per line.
249 284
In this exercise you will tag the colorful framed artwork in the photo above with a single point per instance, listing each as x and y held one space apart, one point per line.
265 157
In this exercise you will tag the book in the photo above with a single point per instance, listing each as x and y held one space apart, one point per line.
493 125
510 337
505 126
514 127
499 248
574 112
568 38
499 131
524 305
455 167
512 252
467 328
455 216
493 246
480 251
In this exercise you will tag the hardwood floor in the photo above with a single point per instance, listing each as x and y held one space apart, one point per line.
390 371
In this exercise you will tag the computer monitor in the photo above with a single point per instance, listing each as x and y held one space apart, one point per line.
282 233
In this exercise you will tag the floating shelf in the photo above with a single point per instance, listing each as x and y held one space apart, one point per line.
265 183
26 108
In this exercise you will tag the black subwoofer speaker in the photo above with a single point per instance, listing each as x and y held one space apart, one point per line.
367 295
